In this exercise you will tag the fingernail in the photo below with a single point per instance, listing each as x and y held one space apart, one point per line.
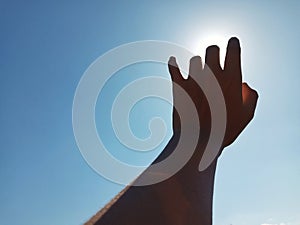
234 42
172 61
196 57
214 47
172 58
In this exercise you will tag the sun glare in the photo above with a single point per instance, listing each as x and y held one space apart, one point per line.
199 46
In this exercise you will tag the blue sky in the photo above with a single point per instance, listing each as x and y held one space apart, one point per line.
45 47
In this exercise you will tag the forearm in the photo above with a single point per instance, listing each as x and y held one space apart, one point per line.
197 187
185 198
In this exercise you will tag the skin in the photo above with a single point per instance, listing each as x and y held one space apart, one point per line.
186 197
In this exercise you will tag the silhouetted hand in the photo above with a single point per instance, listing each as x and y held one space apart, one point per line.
239 98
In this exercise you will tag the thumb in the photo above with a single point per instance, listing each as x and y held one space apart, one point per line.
250 97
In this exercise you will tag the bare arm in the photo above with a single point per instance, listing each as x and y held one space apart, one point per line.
186 197
182 199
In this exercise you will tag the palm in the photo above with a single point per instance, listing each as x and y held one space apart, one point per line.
239 98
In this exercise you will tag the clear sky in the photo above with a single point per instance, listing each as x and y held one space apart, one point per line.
45 47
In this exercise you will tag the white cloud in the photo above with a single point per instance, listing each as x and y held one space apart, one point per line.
275 224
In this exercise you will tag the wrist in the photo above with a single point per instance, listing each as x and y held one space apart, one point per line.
186 198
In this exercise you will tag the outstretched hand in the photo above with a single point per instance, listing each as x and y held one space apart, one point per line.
240 99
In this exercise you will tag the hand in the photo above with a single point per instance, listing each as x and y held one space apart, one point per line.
240 99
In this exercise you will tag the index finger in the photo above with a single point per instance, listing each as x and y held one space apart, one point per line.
174 70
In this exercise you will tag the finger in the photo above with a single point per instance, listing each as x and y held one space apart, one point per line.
212 58
250 97
174 70
232 63
177 78
195 66
195 72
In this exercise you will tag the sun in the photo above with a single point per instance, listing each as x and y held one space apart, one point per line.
199 46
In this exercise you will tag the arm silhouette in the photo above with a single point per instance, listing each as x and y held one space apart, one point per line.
186 197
